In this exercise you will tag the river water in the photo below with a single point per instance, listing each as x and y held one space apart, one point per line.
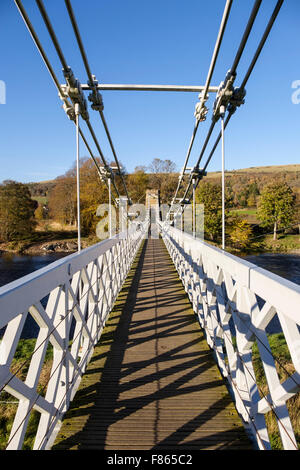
287 266
14 266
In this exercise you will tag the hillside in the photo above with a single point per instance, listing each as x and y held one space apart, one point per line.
253 170
240 180
44 186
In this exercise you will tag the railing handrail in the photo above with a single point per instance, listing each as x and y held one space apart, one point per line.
250 275
81 287
222 288
12 293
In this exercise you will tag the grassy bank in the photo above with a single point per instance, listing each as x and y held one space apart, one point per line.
9 404
42 242
286 242
289 243
64 239
285 369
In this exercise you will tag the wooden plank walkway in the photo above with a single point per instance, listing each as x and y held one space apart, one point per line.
152 382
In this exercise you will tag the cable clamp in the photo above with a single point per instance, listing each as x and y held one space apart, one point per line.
106 173
200 109
67 107
224 94
237 99
74 91
95 97
184 202
197 173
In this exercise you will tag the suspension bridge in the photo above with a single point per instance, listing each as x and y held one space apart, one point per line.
152 329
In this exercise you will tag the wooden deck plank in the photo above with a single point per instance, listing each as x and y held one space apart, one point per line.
152 382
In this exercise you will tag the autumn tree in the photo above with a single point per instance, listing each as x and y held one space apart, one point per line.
253 193
297 211
137 183
210 195
162 166
168 187
240 235
162 177
16 211
93 192
276 206
62 199
39 213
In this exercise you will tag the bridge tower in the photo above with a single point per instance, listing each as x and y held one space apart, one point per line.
152 198
152 206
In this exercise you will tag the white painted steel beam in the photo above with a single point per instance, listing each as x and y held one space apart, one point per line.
131 87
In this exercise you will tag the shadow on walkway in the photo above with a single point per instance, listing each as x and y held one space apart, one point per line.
152 382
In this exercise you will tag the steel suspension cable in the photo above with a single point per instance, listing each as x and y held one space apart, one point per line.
41 50
233 70
38 44
262 42
200 157
65 68
208 80
246 35
250 69
79 40
52 33
91 80
113 151
217 142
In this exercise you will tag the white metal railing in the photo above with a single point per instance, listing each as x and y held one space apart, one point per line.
70 301
235 301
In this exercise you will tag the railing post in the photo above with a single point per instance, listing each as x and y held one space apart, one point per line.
222 112
77 113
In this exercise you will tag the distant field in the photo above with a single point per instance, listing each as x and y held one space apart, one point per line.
250 214
40 199
259 169
250 211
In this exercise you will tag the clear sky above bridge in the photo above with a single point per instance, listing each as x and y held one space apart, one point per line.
147 42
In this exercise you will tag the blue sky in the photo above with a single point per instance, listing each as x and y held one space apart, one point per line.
157 42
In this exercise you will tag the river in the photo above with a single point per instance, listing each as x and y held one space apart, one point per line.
14 266
285 265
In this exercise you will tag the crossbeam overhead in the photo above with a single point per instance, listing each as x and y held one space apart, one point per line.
129 87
